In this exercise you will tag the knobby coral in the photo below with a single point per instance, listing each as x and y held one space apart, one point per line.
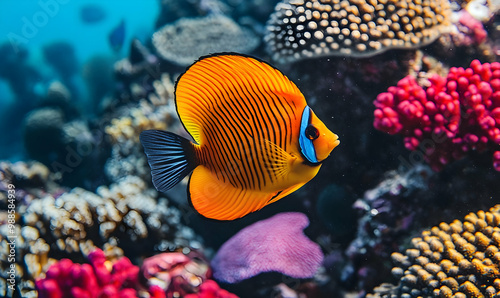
274 244
460 259
454 115
312 28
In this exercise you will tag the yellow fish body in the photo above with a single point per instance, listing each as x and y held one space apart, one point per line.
256 139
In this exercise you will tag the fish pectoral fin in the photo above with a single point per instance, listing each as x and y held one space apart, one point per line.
215 199
278 160
283 193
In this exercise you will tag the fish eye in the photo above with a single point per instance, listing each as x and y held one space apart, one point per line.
311 132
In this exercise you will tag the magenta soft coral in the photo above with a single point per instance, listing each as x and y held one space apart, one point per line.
97 279
452 116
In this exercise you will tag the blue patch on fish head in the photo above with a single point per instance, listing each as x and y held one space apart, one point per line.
308 133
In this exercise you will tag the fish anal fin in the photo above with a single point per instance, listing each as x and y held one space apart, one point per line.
219 200
281 194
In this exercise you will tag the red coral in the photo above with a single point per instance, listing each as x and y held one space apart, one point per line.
66 279
210 289
453 115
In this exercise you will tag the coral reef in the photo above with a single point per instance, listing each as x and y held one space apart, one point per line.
385 213
74 223
100 278
187 39
97 73
18 73
89 186
452 116
314 28
59 97
175 273
32 179
43 134
472 31
460 259
251 251
141 68
129 127
61 56
69 148
157 112
127 211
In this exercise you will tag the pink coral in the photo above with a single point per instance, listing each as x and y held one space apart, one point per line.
100 278
274 244
453 115
175 274
470 31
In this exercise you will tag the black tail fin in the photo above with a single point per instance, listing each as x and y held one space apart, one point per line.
170 157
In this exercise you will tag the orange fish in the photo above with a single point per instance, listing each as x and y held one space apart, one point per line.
255 138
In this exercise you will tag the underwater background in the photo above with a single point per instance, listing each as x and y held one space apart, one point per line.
405 206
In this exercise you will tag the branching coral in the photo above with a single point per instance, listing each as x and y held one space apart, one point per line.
126 210
452 116
155 113
158 112
313 28
100 278
460 259
75 223
129 127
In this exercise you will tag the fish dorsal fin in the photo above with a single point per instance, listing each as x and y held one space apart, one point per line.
218 87
222 201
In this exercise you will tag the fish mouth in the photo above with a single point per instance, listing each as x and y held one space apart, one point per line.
334 142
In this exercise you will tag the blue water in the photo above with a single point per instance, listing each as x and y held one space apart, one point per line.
61 21
33 24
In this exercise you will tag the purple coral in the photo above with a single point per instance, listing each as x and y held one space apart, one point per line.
274 244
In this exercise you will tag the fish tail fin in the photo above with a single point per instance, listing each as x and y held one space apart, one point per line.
171 157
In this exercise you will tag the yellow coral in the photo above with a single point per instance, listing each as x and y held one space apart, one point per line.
469 262
130 127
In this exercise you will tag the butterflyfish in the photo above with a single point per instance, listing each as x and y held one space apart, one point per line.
255 138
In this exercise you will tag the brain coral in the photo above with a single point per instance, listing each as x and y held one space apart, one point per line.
189 38
312 28
460 259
